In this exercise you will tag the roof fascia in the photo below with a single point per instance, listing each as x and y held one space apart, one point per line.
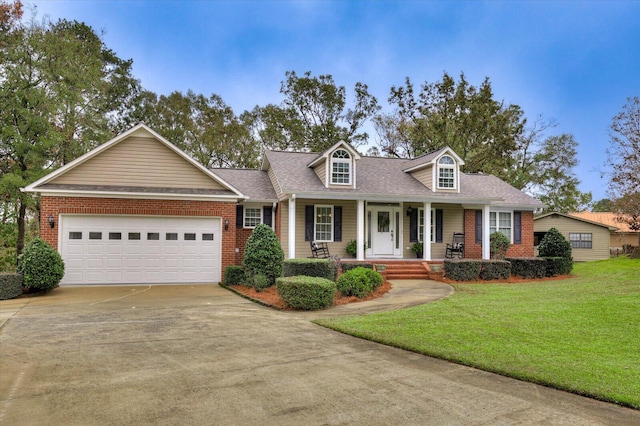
137 195
568 216
383 197
325 154
434 160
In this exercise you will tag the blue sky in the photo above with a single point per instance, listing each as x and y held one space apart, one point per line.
574 61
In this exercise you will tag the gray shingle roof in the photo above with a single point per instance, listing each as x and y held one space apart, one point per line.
255 184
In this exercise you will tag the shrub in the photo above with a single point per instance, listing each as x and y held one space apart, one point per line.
308 267
498 245
352 248
554 244
40 265
528 267
558 266
263 255
308 293
10 286
462 269
352 265
261 282
495 270
358 282
233 275
635 254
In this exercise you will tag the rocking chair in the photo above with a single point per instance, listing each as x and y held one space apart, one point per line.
319 250
456 248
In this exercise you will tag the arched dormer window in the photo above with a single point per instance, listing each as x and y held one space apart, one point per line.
341 167
446 173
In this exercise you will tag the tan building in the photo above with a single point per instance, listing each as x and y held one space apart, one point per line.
589 240
621 236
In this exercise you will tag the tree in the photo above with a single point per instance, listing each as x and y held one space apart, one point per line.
623 159
313 115
604 205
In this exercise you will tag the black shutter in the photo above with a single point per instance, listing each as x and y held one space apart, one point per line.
478 226
438 225
337 223
413 226
239 216
517 227
267 213
308 223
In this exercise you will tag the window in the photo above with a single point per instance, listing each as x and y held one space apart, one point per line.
171 236
115 235
189 236
95 235
153 236
581 241
252 216
207 237
446 173
341 167
421 225
134 235
500 222
75 235
324 223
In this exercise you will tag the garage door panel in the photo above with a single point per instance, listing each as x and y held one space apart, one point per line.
123 249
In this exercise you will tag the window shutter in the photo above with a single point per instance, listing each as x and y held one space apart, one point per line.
308 223
239 216
517 227
337 223
478 226
438 225
413 226
267 213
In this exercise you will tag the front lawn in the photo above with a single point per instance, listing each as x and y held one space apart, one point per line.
581 334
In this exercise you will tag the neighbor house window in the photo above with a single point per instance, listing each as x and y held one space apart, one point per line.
421 225
581 241
446 173
501 222
252 216
341 167
324 223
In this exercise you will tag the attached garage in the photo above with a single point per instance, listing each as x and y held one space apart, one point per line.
101 249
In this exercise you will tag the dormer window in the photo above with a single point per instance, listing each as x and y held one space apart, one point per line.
446 173
341 167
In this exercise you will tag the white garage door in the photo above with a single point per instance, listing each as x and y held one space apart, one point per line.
140 249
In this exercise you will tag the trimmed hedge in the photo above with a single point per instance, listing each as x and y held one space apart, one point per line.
359 282
308 293
307 267
352 265
261 282
233 275
10 285
528 267
40 265
558 266
463 269
495 270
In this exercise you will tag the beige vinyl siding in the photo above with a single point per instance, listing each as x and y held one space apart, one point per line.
274 181
138 161
425 176
600 238
320 170
452 221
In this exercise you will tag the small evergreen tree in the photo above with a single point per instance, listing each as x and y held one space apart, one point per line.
263 255
554 244
40 265
498 245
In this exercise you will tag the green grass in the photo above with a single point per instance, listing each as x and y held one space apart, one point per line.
581 334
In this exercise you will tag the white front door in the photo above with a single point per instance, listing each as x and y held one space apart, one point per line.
385 225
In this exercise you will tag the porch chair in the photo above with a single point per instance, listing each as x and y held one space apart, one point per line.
456 248
319 250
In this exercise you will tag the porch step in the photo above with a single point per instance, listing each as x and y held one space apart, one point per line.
408 270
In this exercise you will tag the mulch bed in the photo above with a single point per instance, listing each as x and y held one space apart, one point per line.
270 296
513 279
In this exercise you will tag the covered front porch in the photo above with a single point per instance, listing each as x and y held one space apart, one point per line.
382 230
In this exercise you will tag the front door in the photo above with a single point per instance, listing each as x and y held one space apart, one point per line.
384 228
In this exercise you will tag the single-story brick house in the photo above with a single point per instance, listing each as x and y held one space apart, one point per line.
139 210
592 235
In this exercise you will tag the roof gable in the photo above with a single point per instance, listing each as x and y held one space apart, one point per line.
138 158
327 153
432 159
576 218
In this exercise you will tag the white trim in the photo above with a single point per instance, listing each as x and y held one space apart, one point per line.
426 229
486 233
315 223
136 195
291 241
360 231
432 215
325 154
348 161
246 207
453 167
497 212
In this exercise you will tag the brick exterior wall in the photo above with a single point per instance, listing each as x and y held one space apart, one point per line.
121 206
242 235
473 250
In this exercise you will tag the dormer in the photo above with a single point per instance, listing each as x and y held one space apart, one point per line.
336 167
439 171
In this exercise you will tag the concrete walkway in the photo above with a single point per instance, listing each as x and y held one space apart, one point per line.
196 355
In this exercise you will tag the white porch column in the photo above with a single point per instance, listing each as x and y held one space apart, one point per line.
360 230
291 241
426 244
486 233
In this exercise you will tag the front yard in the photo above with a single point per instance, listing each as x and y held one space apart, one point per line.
581 334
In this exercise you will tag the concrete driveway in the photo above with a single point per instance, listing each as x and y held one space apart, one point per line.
195 355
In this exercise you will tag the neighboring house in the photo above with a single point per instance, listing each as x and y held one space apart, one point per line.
139 210
622 236
589 239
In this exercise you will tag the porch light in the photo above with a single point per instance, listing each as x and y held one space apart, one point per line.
226 224
409 211
51 221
